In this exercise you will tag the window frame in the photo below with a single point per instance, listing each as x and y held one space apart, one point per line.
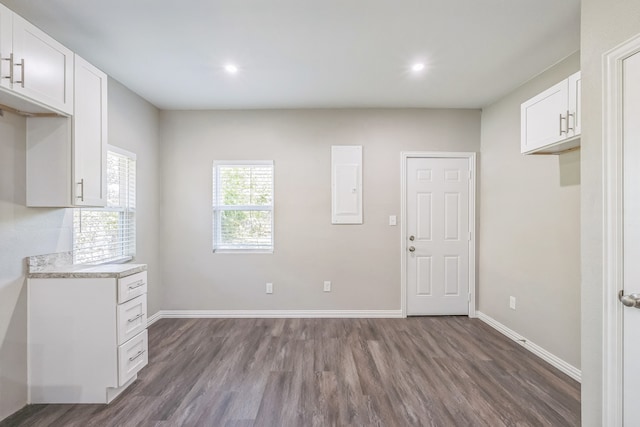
215 208
122 211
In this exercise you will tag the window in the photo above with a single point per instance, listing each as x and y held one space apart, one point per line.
243 206
109 234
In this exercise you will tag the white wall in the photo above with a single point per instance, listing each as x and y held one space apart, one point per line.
530 227
133 125
604 25
362 261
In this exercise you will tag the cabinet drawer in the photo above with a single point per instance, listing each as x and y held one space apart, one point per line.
132 356
132 318
131 286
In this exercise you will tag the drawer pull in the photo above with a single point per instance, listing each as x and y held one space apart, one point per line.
135 318
136 284
140 353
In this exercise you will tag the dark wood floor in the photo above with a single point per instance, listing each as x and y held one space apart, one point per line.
430 371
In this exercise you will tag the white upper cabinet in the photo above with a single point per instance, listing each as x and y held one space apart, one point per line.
35 68
5 45
575 99
89 135
550 121
66 157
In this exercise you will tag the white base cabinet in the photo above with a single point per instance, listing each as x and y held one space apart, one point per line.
551 121
87 337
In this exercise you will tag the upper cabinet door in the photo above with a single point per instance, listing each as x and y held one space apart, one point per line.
89 135
544 118
43 68
575 99
5 45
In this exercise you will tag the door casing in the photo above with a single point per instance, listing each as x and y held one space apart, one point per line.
472 221
612 222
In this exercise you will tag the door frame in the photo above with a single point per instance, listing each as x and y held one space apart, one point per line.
612 222
471 156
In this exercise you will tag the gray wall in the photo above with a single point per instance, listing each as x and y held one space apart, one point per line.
362 261
133 125
23 232
530 227
604 25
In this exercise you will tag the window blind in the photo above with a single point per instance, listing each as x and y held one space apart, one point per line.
243 206
109 234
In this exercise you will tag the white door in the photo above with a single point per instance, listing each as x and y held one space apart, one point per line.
438 236
631 168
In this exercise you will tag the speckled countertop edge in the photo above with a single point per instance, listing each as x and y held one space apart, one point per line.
107 271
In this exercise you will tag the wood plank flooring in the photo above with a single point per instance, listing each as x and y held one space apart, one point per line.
425 371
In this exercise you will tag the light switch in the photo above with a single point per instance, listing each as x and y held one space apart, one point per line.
392 220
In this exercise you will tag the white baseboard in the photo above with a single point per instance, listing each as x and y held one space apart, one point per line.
154 318
552 359
166 314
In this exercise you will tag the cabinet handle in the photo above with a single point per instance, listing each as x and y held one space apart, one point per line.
81 196
135 318
11 66
136 284
561 119
10 59
140 353
574 120
21 65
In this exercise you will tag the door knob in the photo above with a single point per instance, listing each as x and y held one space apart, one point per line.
632 300
412 238
412 249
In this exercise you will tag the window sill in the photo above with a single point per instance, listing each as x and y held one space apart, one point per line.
242 251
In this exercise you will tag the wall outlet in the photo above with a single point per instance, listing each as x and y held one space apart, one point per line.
269 288
327 286
512 303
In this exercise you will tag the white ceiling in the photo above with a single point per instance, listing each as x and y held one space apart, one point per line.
314 53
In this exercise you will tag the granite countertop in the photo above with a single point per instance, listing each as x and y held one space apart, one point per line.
114 271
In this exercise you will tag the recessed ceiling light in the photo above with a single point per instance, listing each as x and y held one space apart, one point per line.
418 66
231 68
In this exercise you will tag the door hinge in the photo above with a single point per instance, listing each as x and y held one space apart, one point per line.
469 236
470 176
469 297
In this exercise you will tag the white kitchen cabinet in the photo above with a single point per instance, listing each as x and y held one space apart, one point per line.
89 135
550 121
66 157
37 71
84 345
6 38
575 99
